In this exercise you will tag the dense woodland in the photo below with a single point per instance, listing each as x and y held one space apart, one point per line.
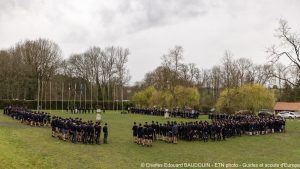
36 70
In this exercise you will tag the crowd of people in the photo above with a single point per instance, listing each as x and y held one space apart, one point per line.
188 113
82 110
27 116
220 127
72 129
76 130
224 116
216 130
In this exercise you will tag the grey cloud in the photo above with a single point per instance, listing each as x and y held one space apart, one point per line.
159 13
244 27
76 35
143 14
114 18
7 6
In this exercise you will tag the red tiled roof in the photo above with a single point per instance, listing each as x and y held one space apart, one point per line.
287 106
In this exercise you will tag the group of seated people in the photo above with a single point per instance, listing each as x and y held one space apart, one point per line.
76 130
216 130
32 118
188 113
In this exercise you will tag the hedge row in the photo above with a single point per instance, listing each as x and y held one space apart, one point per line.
32 104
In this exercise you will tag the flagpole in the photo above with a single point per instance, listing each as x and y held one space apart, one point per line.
62 97
108 94
117 98
80 95
45 102
38 96
56 96
122 96
97 99
113 96
42 92
74 96
50 97
103 90
85 96
91 95
69 96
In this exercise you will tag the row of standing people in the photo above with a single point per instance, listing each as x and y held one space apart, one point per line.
72 129
33 118
162 112
216 130
222 116
78 131
82 110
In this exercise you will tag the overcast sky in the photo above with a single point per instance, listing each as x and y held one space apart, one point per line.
205 28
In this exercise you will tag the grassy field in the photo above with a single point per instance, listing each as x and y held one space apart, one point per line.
22 146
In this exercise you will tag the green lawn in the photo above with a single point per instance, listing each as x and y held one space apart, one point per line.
22 146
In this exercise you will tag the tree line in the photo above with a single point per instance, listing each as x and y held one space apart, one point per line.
36 70
223 86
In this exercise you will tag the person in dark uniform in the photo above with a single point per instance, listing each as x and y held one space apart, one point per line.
97 132
169 133
53 126
140 134
78 131
91 133
145 134
153 126
224 132
84 135
205 132
156 131
219 131
64 129
135 132
73 132
174 133
150 135
105 131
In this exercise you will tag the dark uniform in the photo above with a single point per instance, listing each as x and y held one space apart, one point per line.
97 132
105 131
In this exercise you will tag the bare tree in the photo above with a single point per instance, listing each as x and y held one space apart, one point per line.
230 71
244 66
39 60
172 61
108 69
94 57
193 71
123 76
288 49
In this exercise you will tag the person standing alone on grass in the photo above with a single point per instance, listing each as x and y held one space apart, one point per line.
105 131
